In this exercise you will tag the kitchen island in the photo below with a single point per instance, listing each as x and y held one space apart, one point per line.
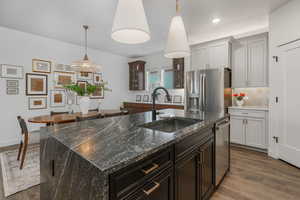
117 158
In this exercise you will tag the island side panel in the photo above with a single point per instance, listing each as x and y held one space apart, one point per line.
73 177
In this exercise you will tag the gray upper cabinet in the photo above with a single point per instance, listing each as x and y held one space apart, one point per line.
215 54
249 62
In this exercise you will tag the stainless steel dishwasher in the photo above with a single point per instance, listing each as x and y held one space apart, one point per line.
222 142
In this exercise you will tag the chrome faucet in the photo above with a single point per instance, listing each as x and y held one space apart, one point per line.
154 94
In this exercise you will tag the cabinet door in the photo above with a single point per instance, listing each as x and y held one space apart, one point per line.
186 178
255 134
257 63
178 68
237 133
239 64
206 169
137 75
219 56
199 58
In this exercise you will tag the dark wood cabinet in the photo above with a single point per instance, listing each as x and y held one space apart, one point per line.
137 75
206 164
186 178
194 167
178 67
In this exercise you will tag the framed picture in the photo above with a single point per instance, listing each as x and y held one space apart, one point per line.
166 99
63 68
82 84
11 71
138 98
98 94
97 78
36 84
42 66
58 98
146 98
177 99
37 103
63 78
84 76
12 87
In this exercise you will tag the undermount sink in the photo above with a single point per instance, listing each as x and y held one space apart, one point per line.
171 124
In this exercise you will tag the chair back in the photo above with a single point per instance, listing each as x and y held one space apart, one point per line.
23 126
94 110
58 113
79 119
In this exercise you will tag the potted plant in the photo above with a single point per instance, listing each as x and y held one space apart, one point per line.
85 93
239 98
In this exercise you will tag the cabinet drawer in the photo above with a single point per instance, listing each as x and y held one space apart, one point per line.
158 188
126 180
248 113
192 142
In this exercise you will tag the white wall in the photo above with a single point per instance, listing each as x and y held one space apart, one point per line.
19 48
156 61
284 28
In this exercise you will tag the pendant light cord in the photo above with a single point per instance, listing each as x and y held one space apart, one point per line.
86 28
177 6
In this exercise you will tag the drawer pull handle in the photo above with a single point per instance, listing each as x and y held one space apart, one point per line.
148 192
148 171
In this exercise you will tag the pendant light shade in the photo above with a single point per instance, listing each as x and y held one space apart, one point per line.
130 25
177 44
85 65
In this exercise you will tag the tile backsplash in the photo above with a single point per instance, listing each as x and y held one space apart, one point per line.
256 96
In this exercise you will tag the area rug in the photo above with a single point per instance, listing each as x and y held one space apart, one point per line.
16 180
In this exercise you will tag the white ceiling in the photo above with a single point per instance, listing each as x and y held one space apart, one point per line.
62 20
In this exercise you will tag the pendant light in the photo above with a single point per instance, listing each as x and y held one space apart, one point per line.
130 24
85 65
177 44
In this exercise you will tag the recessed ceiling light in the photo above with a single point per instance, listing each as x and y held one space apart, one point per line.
216 20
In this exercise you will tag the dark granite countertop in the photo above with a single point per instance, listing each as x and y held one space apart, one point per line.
113 143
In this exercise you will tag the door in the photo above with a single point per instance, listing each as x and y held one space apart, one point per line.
289 137
206 169
186 178
237 134
178 69
255 132
257 63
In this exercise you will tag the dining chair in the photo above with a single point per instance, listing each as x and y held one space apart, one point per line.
81 118
57 113
32 138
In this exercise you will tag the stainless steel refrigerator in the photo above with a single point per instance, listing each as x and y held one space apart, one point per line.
208 90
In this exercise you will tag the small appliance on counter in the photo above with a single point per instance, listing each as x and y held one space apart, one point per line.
208 90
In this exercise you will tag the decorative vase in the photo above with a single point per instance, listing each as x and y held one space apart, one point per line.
240 102
84 104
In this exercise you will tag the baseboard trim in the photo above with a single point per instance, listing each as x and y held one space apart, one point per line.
249 148
9 143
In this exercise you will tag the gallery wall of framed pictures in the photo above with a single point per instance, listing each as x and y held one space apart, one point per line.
44 83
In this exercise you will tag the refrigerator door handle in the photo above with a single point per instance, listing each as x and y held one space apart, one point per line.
201 92
204 91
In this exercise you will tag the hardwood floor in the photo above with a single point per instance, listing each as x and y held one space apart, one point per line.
30 194
253 176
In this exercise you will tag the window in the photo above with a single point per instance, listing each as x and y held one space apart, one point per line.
168 79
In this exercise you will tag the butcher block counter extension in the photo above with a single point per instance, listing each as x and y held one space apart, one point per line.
129 157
